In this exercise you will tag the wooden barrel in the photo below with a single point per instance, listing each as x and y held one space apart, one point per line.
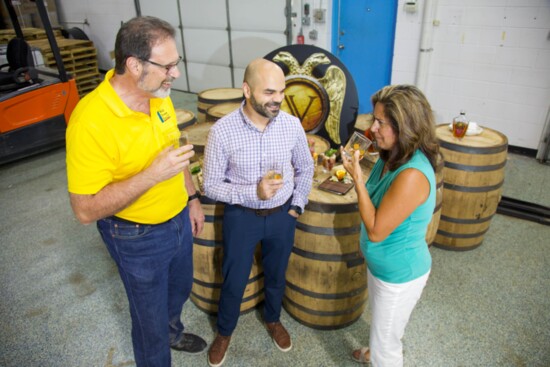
326 282
207 265
218 111
198 133
185 118
472 185
321 144
434 223
210 97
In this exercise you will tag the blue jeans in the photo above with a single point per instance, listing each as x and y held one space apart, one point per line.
155 263
242 230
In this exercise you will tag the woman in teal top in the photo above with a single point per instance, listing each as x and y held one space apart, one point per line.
396 206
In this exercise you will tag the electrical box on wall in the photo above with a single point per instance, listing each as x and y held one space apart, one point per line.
306 20
319 15
313 34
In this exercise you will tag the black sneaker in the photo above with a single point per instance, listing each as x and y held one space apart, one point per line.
190 344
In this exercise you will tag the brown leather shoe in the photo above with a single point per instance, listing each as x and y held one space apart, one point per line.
280 336
218 349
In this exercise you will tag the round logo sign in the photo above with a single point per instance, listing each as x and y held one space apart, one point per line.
319 91
306 99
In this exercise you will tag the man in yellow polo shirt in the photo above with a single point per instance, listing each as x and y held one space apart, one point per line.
126 171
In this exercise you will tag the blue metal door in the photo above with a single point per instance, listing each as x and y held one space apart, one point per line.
363 37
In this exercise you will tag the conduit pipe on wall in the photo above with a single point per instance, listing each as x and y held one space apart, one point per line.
426 41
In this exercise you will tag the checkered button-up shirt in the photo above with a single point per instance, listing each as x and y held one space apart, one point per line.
238 155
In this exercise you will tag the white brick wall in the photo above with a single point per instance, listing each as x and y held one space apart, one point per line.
490 57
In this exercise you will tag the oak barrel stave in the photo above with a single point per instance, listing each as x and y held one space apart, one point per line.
207 265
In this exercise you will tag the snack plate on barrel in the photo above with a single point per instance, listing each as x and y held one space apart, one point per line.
338 188
338 183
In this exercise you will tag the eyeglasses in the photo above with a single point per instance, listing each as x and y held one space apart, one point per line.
381 123
168 67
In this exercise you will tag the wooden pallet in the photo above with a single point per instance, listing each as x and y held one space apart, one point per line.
79 58
28 33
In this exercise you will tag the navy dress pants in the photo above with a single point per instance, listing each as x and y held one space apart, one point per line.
242 230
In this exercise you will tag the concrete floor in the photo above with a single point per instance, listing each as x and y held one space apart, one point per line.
62 302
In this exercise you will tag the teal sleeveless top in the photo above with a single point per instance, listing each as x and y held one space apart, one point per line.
403 256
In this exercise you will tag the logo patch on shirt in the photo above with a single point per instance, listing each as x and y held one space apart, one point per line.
163 115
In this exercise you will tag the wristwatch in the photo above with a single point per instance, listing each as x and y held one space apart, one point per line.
196 195
297 209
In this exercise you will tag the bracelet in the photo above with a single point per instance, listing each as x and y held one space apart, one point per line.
196 195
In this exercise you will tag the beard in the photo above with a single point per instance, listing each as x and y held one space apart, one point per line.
160 92
264 110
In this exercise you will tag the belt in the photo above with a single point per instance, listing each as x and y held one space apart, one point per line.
118 219
114 217
264 212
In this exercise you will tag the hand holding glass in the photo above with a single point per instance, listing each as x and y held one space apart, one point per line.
275 171
184 138
357 142
178 138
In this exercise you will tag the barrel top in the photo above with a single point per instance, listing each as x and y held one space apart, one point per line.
198 133
221 94
184 115
321 144
487 138
318 196
363 121
222 109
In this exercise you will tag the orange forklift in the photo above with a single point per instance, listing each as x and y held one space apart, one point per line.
35 102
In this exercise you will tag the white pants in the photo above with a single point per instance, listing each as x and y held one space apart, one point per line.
391 306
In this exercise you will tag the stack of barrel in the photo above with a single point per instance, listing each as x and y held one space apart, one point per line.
213 104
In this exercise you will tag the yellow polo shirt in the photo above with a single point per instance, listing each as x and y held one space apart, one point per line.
108 142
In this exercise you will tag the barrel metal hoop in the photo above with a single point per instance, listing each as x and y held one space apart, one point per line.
473 150
309 311
469 168
207 200
323 327
466 221
330 296
218 101
215 302
325 231
207 243
219 285
457 248
213 313
438 207
332 208
461 188
213 218
351 259
461 235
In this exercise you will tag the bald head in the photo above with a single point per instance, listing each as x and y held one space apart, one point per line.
263 88
259 69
